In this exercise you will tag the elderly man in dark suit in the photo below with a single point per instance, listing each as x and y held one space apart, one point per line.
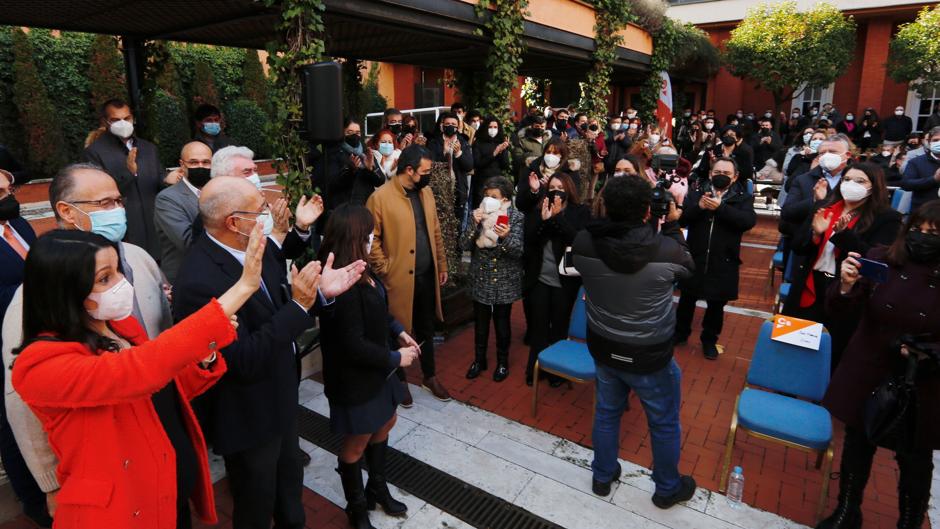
16 236
135 166
251 412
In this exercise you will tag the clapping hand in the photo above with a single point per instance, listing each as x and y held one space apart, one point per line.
307 212
304 284
336 281
821 189
132 161
534 182
281 214
843 222
821 221
709 202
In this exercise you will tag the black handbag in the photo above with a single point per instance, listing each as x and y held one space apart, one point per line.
890 406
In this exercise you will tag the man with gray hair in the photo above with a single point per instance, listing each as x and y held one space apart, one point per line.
86 198
811 189
236 161
251 412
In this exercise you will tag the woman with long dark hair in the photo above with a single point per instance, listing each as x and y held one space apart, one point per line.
490 157
857 218
359 368
115 405
908 302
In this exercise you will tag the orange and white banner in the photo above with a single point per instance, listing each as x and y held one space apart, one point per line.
664 107
795 331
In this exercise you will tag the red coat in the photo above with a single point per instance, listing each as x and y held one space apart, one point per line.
116 464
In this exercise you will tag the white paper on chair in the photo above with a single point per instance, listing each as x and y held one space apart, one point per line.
794 331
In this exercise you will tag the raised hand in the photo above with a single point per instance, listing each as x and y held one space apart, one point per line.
534 182
250 280
307 212
821 189
132 161
281 214
304 284
821 221
336 281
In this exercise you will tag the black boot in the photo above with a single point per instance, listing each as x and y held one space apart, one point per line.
857 455
916 475
502 366
351 476
479 363
377 488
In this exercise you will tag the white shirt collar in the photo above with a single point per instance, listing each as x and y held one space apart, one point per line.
191 187
237 254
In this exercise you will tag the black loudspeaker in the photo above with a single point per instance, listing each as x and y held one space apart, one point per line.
322 101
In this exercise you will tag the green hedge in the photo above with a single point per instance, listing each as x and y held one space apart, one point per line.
245 124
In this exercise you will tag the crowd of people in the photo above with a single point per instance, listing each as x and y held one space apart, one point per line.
167 310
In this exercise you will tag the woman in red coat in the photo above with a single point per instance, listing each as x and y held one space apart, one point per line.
115 406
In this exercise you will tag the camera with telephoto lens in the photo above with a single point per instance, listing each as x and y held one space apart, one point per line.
665 166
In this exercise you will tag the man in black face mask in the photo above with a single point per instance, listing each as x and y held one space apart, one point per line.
717 212
452 148
411 261
731 145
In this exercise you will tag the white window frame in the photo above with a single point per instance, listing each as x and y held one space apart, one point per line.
824 97
912 108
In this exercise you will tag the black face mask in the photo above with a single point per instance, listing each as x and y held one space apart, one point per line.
727 140
198 176
593 128
556 193
352 140
533 133
396 128
9 208
450 130
584 126
423 182
721 181
407 129
923 247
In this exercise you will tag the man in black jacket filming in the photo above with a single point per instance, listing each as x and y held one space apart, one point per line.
629 269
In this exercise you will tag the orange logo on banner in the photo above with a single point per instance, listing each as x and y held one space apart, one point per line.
786 325
794 331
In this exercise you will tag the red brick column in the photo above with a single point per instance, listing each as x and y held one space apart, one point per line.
874 58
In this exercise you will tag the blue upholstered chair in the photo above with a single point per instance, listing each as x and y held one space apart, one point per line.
568 359
783 407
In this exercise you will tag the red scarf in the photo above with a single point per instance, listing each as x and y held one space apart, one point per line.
808 296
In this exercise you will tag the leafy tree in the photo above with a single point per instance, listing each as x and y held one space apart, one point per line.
45 143
105 71
11 132
372 100
167 125
914 53
783 50
254 83
203 88
352 88
245 124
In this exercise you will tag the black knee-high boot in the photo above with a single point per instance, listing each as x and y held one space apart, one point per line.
857 455
481 335
377 488
916 475
501 315
351 476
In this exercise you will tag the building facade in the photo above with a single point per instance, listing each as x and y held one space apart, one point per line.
864 84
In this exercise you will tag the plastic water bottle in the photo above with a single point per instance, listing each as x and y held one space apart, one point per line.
735 487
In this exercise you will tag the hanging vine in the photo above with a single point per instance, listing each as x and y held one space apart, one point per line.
503 25
611 16
300 43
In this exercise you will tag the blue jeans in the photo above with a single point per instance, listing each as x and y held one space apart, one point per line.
660 395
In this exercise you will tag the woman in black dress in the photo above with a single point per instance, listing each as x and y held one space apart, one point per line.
358 368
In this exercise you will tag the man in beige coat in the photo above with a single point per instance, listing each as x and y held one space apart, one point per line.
408 255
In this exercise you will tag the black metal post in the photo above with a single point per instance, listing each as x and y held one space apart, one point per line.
132 68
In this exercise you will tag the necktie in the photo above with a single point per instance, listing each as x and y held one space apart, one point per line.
14 243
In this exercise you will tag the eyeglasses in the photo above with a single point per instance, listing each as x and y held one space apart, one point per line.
264 209
104 203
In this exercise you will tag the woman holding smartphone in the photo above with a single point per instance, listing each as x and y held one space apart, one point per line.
359 367
906 302
494 238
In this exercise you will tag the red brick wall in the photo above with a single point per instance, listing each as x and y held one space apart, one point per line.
845 94
405 79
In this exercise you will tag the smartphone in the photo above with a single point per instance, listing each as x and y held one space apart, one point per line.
874 270
569 259
503 219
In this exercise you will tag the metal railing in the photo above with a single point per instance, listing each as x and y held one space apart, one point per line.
427 118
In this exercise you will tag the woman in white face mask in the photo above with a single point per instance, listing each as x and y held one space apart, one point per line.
385 151
554 159
115 405
856 218
491 151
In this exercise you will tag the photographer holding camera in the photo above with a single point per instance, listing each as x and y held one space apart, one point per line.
731 145
717 212
906 301
629 269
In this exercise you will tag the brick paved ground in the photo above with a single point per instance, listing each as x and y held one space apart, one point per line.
778 479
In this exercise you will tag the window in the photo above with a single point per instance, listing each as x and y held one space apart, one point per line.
813 97
919 108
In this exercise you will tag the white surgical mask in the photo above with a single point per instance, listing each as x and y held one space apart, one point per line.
369 244
633 126
255 179
475 125
267 223
489 204
552 160
806 137
631 115
886 154
852 191
898 112
115 303
814 145
830 161
492 131
654 139
122 129
709 126
386 149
